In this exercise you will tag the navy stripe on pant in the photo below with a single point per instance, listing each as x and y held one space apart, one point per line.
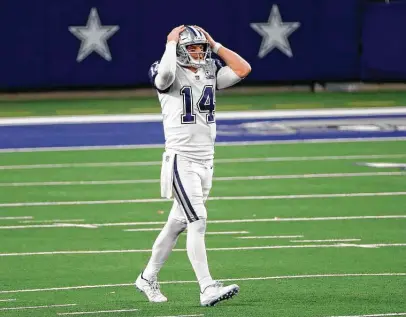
182 197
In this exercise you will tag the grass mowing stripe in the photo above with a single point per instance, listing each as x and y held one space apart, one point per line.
256 151
276 219
98 312
36 307
265 247
232 178
161 146
261 188
216 161
283 277
158 200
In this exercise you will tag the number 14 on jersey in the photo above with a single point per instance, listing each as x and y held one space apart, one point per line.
204 105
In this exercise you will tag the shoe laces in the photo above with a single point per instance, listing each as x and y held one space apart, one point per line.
216 284
155 288
155 285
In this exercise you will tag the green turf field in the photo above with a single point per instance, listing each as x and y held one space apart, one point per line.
225 102
276 227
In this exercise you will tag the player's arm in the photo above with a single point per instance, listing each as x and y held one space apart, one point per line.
237 64
167 67
226 77
234 61
237 68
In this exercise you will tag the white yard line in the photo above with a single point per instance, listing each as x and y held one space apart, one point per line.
88 148
36 307
161 146
269 237
265 247
305 196
74 225
144 229
326 240
73 165
16 218
308 158
264 278
77 183
52 221
312 141
306 276
159 200
232 178
157 117
374 315
276 219
367 246
98 312
209 232
55 225
383 165
217 161
226 232
8 300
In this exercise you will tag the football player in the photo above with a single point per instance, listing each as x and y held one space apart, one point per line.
186 79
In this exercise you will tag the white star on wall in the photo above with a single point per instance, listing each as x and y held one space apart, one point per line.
275 33
94 37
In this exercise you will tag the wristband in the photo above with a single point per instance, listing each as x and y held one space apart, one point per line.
172 42
216 47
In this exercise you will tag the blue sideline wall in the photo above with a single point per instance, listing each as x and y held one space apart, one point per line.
320 40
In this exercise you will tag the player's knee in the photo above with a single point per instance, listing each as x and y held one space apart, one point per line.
193 207
200 210
199 226
177 226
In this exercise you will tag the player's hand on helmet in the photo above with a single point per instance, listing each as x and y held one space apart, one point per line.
208 36
174 35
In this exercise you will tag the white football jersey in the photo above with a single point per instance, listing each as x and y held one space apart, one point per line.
188 109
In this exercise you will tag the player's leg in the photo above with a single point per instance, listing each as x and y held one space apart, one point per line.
166 240
164 243
214 292
207 179
189 193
